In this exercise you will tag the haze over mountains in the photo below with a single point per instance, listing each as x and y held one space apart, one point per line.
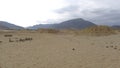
77 23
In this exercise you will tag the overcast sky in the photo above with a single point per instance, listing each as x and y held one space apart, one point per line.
30 12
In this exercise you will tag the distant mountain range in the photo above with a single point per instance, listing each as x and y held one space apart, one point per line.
78 23
116 26
6 25
3 27
69 24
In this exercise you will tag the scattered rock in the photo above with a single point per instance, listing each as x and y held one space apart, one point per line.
115 48
0 41
73 49
107 46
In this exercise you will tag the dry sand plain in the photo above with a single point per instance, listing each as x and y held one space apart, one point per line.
58 51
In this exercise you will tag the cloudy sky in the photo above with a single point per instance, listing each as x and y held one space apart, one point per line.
30 12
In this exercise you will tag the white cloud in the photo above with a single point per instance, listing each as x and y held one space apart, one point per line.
27 12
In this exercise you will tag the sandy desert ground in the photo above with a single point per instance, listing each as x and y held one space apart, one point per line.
43 50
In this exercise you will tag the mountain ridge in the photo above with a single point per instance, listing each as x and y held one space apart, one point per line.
77 23
7 25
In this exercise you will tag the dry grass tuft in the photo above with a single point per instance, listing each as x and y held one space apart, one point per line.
98 31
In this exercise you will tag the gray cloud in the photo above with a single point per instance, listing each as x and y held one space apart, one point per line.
111 17
99 12
70 8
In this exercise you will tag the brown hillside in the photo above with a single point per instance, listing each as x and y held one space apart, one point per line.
98 30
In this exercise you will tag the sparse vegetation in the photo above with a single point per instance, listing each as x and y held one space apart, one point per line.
48 31
113 47
10 40
8 35
20 39
28 39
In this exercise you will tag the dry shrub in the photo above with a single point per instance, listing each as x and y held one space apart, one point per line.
26 31
98 31
8 35
48 31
